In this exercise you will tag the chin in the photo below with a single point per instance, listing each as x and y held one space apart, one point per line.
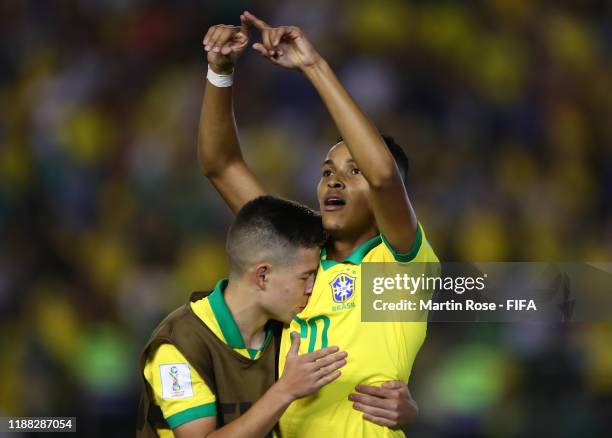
332 224
285 319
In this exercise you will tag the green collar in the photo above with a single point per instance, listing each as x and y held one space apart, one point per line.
226 321
356 257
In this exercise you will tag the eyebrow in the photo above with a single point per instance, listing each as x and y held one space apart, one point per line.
331 162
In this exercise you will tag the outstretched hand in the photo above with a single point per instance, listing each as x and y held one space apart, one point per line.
224 44
285 45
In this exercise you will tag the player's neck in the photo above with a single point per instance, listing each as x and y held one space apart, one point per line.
340 247
247 313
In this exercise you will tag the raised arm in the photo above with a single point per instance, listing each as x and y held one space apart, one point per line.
288 47
219 152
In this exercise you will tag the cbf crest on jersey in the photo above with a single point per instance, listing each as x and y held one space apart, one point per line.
343 287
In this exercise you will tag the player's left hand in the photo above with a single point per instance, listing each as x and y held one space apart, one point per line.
285 45
224 44
389 405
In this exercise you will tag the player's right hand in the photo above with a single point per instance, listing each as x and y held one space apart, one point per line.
224 44
307 373
286 46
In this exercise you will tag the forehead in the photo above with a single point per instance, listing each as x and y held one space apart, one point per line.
338 153
307 257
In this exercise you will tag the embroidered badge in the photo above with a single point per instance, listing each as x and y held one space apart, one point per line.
343 287
176 381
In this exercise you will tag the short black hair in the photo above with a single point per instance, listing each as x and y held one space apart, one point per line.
401 159
272 228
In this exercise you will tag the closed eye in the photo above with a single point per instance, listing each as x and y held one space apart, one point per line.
306 275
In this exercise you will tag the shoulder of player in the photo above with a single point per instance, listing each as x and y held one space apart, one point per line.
421 250
202 308
164 353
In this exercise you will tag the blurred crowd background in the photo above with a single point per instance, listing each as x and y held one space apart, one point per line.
106 224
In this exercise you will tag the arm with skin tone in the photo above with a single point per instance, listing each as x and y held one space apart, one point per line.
288 47
219 152
302 376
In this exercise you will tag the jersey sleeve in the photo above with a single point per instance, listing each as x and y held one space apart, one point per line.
421 251
178 389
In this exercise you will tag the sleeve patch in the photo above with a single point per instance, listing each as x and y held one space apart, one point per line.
176 381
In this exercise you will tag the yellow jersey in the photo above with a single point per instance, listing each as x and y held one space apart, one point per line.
377 351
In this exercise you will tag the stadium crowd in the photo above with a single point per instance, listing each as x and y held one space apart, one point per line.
503 106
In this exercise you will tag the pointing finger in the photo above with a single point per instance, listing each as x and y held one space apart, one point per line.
259 24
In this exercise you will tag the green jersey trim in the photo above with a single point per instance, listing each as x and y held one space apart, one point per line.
180 418
228 325
409 256
356 257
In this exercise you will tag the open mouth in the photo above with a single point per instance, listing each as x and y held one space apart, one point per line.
334 203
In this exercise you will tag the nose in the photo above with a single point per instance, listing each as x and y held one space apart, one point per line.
335 184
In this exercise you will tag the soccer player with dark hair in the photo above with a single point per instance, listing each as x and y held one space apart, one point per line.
209 368
367 213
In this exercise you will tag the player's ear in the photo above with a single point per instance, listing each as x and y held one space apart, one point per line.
262 273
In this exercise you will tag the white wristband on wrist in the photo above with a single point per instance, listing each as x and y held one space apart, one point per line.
218 80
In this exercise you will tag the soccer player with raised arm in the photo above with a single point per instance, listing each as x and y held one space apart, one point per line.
366 212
